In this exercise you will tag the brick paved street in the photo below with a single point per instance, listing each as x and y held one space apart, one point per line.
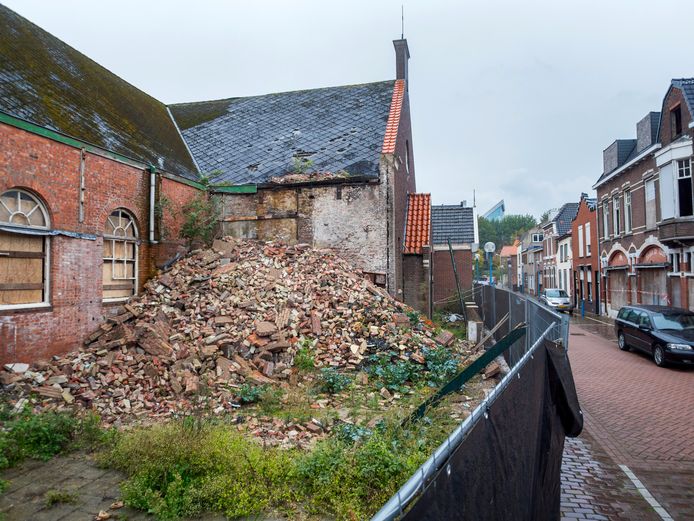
638 414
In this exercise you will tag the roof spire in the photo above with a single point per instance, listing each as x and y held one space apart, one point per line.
402 20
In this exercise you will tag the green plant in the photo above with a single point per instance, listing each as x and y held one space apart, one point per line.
176 472
304 359
250 393
441 365
4 484
414 318
201 215
302 165
55 497
393 372
331 381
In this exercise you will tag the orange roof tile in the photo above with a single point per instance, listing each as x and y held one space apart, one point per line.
393 118
418 227
508 251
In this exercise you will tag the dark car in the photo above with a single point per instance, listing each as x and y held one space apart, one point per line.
665 333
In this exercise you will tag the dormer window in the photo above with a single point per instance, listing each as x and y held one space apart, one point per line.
675 121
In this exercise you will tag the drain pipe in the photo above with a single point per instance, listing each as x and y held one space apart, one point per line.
152 188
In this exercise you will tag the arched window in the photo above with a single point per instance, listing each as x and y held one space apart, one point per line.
23 250
120 256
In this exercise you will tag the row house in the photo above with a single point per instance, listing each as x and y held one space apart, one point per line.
530 261
585 259
646 208
509 265
556 266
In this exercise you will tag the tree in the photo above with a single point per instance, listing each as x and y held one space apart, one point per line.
201 215
505 230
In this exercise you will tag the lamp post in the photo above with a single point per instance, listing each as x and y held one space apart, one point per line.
489 248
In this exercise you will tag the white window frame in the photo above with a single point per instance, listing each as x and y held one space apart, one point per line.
616 216
46 300
684 171
587 232
580 240
136 264
627 211
606 219
650 183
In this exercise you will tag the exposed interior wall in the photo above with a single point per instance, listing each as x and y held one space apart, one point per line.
415 282
347 217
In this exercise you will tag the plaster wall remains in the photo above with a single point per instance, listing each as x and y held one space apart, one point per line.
351 218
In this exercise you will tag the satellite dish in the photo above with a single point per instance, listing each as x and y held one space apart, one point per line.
489 247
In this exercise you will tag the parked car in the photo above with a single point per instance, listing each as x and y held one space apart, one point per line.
557 299
665 333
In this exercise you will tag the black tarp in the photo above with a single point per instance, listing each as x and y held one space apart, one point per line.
508 466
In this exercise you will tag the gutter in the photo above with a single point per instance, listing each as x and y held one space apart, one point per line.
152 189
185 143
631 163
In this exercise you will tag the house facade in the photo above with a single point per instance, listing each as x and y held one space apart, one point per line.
418 281
457 223
645 202
586 262
564 258
555 230
509 265
531 253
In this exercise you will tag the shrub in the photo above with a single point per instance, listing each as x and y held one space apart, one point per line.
56 497
250 393
331 381
304 359
174 471
393 374
441 364
42 436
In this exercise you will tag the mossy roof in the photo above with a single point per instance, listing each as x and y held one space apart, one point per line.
254 139
47 82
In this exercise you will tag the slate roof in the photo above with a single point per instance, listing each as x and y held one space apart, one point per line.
418 224
452 221
565 217
253 139
686 85
47 82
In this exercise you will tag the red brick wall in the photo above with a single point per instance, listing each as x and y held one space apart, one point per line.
585 215
444 278
51 170
404 183
177 194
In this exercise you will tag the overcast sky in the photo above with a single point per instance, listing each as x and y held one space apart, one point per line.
514 99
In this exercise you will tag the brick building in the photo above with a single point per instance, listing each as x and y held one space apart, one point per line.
553 232
457 223
645 202
417 279
509 265
84 157
88 162
329 167
531 261
586 262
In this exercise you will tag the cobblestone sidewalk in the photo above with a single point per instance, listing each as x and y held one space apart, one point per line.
595 488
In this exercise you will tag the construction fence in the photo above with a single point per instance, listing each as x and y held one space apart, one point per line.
504 460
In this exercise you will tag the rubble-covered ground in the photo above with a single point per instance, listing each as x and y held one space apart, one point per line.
286 345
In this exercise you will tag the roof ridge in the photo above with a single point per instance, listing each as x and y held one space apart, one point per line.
297 91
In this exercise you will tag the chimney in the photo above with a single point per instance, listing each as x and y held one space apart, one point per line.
402 56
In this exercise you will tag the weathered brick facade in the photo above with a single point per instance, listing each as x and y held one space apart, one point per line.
445 292
644 211
51 171
586 263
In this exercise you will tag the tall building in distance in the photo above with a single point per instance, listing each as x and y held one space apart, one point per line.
496 212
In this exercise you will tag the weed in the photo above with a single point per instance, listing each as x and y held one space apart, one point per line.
441 365
393 372
4 484
414 318
250 393
305 358
57 497
42 436
331 381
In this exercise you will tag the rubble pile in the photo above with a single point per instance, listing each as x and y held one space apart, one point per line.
220 318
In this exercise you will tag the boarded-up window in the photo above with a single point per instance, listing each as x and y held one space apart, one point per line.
23 250
120 256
